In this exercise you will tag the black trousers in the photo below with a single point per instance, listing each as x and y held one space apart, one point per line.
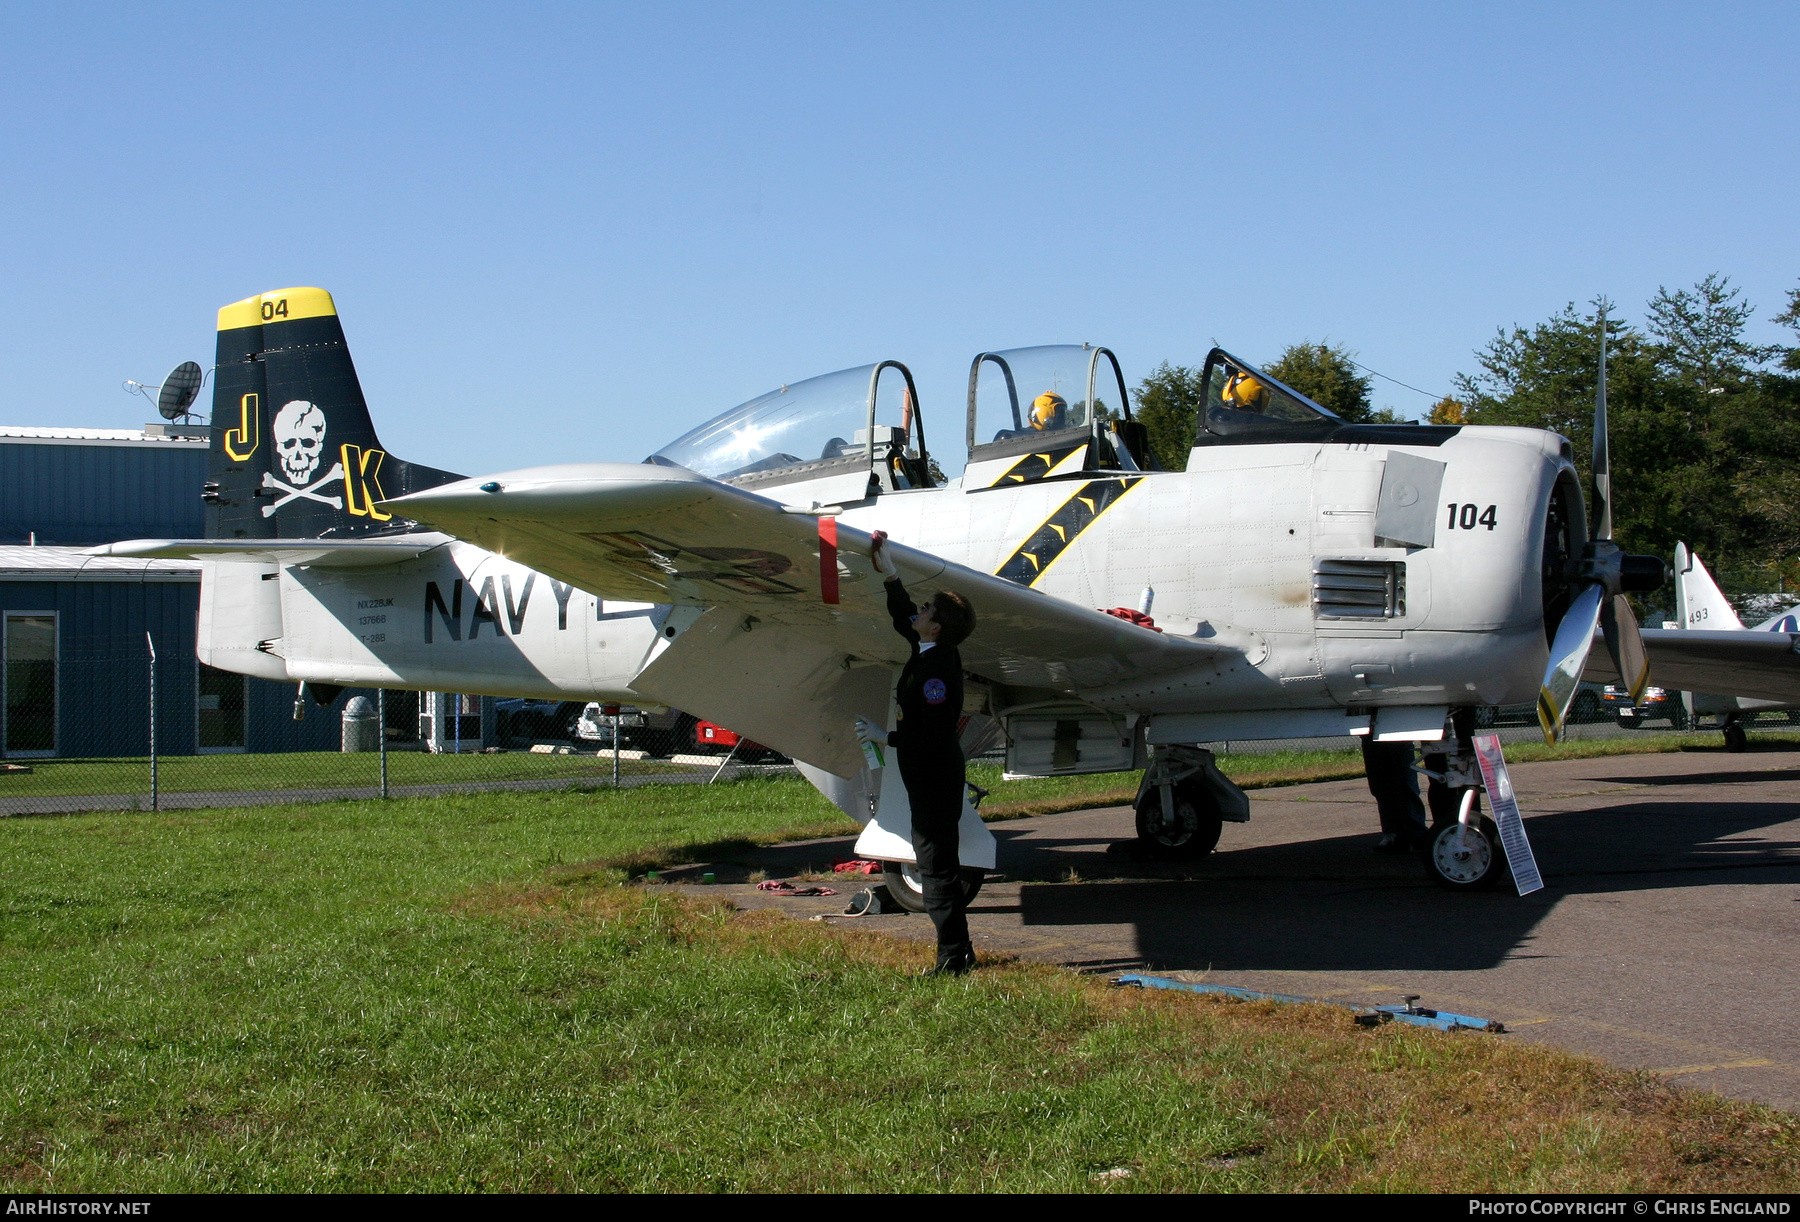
936 797
1395 786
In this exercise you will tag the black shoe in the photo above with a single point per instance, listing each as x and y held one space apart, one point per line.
1393 844
953 961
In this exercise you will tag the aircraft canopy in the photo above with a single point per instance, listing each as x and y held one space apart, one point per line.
1246 405
851 418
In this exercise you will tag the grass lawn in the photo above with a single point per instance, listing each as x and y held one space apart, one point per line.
308 770
438 994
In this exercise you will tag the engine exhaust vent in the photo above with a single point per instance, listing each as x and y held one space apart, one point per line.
1359 589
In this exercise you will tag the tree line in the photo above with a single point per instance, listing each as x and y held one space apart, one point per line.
1704 425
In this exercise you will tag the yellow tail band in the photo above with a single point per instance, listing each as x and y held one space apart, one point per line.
278 306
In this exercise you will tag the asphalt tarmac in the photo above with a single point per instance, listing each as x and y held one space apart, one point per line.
1665 938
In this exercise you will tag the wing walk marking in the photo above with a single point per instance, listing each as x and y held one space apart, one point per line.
1062 528
1036 466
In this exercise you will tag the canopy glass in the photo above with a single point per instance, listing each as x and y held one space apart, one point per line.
862 416
1244 404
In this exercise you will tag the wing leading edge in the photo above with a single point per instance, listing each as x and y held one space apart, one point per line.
1742 662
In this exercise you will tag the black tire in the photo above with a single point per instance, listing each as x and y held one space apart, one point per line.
903 884
1476 864
1735 738
1195 832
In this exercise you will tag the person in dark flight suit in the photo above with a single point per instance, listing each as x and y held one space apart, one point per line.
928 751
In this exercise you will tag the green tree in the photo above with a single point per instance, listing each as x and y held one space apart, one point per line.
1326 375
1168 406
1701 333
1790 317
1705 447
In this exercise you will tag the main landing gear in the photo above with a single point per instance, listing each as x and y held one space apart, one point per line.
906 887
1735 738
1183 804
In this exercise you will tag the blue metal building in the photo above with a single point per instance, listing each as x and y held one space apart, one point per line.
79 487
76 630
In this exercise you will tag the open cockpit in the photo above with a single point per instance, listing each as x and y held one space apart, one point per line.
1048 412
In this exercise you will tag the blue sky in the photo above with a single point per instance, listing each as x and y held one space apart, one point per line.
560 233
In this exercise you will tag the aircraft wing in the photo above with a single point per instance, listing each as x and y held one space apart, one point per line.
1760 665
320 553
783 610
666 535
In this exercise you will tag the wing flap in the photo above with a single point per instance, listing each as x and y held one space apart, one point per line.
781 684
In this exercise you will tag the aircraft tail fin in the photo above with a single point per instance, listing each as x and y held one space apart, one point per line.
1699 603
294 453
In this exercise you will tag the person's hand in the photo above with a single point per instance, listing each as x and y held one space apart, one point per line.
884 563
868 732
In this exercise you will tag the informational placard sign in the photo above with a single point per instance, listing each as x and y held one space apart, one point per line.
1506 814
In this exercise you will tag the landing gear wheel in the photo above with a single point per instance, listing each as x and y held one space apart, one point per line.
1190 835
1471 861
908 889
1735 738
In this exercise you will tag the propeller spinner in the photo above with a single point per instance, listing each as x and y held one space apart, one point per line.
1604 576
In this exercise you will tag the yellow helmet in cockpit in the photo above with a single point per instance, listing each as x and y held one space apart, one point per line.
1244 392
1048 411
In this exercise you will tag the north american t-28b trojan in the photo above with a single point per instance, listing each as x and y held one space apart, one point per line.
1302 577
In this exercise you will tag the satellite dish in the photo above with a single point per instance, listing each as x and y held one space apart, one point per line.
179 390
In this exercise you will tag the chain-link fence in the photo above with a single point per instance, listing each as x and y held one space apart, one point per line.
102 725
79 733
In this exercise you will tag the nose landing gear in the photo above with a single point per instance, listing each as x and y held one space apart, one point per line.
1465 855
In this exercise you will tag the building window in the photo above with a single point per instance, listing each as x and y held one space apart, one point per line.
31 684
222 705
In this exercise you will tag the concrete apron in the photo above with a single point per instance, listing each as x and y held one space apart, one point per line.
1665 938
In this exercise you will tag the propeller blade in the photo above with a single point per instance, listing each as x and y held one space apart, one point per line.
1626 645
1568 658
1602 451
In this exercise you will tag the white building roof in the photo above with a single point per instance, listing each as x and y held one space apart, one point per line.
56 435
74 564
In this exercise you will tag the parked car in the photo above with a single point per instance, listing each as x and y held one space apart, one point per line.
1585 709
519 718
595 728
709 736
1657 703
658 734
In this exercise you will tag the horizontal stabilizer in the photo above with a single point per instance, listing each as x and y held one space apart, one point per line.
319 553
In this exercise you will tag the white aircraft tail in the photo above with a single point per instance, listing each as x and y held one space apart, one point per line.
1699 603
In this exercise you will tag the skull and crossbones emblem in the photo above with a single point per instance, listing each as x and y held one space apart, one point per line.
299 429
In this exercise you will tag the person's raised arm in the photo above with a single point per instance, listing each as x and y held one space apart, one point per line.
900 607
